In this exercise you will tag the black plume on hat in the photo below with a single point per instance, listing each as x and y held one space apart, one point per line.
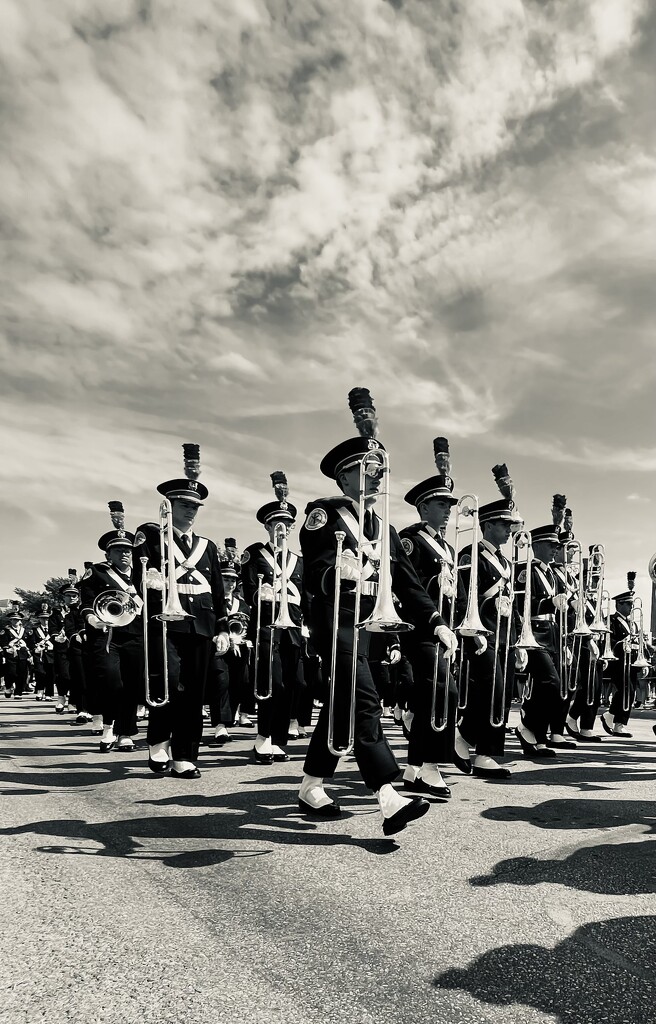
230 542
88 565
558 503
630 579
191 453
364 412
279 484
503 481
568 520
442 456
117 514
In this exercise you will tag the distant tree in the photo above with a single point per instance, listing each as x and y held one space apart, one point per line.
32 600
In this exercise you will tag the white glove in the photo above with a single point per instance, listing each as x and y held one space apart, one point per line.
266 593
481 644
560 602
643 672
351 568
448 638
569 657
594 650
94 621
394 656
521 659
247 643
305 632
154 579
222 642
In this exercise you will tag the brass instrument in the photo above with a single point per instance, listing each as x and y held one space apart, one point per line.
526 640
599 627
268 694
471 624
384 617
607 653
115 608
440 724
282 619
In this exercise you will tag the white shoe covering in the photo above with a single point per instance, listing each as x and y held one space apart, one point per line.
573 723
275 749
461 746
557 737
390 801
220 731
294 727
412 773
160 752
587 733
620 729
608 719
125 743
263 744
541 746
183 766
527 734
96 722
108 734
312 792
483 761
60 705
431 775
141 711
407 717
245 720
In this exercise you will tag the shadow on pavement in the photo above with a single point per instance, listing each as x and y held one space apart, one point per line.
566 813
602 972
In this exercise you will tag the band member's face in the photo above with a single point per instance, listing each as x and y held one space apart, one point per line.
184 513
349 481
281 527
436 512
544 550
624 608
70 599
497 532
229 584
120 557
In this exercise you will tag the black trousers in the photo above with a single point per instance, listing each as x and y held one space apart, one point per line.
62 671
77 690
274 713
118 668
623 691
484 698
588 688
372 752
425 745
15 671
181 720
227 684
44 674
543 709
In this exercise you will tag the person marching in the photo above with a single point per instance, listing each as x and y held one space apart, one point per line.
587 663
188 571
228 679
61 645
111 609
74 627
43 655
488 663
624 673
544 704
16 652
433 560
349 551
565 621
264 568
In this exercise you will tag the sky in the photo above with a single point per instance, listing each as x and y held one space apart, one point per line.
218 217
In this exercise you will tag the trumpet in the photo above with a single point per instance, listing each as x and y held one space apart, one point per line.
384 617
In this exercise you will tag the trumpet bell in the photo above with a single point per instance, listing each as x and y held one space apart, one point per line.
640 662
115 608
385 618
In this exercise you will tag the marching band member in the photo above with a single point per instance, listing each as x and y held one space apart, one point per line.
488 668
545 704
587 664
278 651
175 728
116 650
331 624
16 652
61 645
624 674
74 628
228 678
42 653
433 560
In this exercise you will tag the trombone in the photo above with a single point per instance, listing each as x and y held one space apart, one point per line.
526 639
282 619
384 617
641 660
471 624
172 610
581 629
598 626
445 577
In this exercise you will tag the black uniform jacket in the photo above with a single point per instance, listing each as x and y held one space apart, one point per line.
257 560
544 615
199 582
494 571
621 630
14 642
102 577
324 518
433 560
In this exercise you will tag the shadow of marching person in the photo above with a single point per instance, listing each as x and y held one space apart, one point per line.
604 971
572 813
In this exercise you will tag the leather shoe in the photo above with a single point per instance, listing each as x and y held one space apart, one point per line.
158 766
492 773
220 741
106 747
409 812
573 733
188 773
419 786
529 749
545 753
561 744
465 766
281 757
605 725
262 758
332 810
590 739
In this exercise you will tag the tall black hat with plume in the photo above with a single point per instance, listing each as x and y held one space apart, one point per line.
280 508
119 535
349 453
440 486
189 488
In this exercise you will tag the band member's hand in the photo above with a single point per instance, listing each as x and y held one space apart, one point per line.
604 664
351 568
394 656
569 657
154 579
448 638
305 632
594 650
248 643
480 643
561 602
521 659
643 672
222 642
266 593
94 621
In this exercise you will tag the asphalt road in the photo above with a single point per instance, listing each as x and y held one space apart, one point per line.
132 897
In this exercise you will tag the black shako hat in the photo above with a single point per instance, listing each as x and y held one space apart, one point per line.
440 486
229 568
628 595
70 587
188 488
503 509
545 533
118 536
280 508
350 452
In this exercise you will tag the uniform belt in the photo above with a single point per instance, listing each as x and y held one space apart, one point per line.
545 617
369 589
